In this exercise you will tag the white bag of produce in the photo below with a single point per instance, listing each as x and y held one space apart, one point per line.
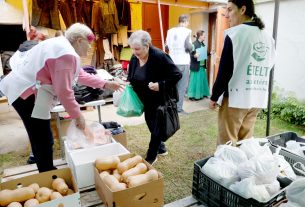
263 168
252 148
223 172
230 153
248 189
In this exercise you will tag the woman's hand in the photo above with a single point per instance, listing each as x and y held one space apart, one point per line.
80 122
213 104
153 86
114 85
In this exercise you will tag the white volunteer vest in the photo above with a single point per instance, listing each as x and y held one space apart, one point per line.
175 41
254 56
26 65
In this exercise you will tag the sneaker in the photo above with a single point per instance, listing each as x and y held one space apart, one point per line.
31 160
162 152
152 162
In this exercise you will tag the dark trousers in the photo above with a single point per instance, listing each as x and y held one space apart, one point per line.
155 143
39 132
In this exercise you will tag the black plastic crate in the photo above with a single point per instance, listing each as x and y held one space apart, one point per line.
209 192
282 138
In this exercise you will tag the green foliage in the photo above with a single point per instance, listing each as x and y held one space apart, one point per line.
287 109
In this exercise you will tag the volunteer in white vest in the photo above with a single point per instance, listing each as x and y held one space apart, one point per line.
44 75
179 45
243 77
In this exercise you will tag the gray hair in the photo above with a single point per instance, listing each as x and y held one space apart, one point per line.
183 18
139 37
76 31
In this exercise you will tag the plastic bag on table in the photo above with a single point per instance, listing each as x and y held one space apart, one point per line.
76 138
230 153
223 172
263 168
98 134
130 104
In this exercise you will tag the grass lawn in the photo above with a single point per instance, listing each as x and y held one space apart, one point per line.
195 140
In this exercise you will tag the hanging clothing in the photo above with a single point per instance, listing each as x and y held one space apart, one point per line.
67 11
123 8
45 14
108 22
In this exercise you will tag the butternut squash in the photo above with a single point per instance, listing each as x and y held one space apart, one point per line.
55 195
140 168
129 163
17 195
34 186
60 185
31 203
113 183
107 163
43 194
15 204
141 179
103 174
116 174
70 191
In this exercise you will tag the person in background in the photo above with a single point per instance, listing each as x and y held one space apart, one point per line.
43 75
179 45
243 77
198 87
151 73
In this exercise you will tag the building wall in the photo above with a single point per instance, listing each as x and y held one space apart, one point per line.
174 13
200 21
289 71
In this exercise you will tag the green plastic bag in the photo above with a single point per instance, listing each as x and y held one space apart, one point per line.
130 104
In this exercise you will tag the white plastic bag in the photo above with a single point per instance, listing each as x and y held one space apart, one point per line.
263 168
248 189
252 148
94 134
223 172
116 98
285 167
273 188
99 133
295 192
76 138
230 153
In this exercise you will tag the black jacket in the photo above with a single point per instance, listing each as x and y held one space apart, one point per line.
160 68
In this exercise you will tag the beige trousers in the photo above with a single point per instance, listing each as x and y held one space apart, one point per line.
235 124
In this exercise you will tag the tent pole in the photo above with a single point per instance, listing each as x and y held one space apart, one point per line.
161 25
275 27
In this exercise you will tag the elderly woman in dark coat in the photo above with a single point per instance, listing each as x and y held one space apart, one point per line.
151 73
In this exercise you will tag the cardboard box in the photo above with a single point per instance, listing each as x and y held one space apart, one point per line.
146 195
45 180
121 138
81 161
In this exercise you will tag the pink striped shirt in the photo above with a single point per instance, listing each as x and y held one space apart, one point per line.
60 74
